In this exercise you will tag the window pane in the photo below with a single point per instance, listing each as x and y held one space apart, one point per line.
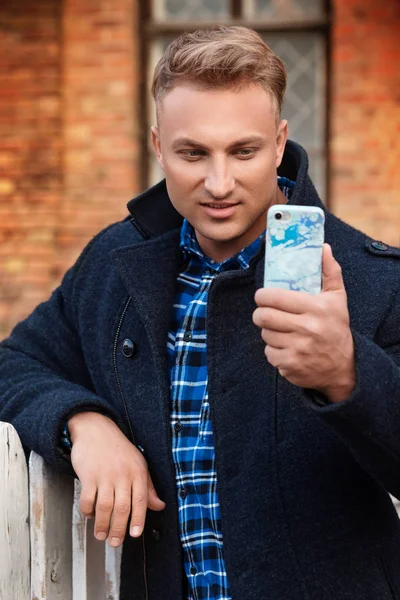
285 10
157 49
304 106
186 10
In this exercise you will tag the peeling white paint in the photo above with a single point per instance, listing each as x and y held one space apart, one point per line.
14 513
41 518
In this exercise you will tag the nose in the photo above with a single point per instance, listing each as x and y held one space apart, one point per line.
219 181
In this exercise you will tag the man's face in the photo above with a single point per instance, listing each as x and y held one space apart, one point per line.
219 150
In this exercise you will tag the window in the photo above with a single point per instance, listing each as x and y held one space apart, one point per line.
297 30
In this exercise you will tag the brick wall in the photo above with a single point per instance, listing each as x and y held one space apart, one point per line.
30 152
365 116
101 158
69 149
68 155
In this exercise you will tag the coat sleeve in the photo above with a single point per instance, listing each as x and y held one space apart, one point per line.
369 420
43 376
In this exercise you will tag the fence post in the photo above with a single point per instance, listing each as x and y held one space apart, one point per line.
96 566
113 568
14 516
51 496
88 555
40 518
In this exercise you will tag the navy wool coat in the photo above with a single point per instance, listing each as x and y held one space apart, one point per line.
305 508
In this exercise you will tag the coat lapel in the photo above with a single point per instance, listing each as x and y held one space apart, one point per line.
149 270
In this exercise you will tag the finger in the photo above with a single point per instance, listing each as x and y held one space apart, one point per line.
276 339
120 515
275 356
274 319
332 279
288 301
139 505
153 501
87 500
104 509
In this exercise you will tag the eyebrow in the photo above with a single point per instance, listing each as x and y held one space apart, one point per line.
245 141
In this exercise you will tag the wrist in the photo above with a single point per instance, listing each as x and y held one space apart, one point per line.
342 388
344 376
338 393
82 421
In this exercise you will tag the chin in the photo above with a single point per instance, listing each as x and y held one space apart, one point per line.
220 231
220 239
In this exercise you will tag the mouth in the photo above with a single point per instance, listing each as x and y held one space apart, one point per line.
220 205
220 210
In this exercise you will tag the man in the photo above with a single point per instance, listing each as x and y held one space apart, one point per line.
264 458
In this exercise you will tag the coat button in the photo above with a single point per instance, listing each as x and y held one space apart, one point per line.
128 348
193 570
183 493
187 336
379 246
156 535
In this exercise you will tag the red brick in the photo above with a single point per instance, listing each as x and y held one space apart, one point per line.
70 145
365 145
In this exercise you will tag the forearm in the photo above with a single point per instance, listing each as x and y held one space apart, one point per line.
44 380
38 403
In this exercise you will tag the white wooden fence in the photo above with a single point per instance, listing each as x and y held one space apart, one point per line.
47 548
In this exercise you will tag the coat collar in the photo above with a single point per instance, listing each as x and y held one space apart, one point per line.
159 254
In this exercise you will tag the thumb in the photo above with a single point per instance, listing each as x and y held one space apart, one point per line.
153 501
332 280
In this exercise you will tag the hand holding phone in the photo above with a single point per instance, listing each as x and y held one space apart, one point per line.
293 248
308 339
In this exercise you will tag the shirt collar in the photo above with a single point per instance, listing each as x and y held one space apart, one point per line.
190 246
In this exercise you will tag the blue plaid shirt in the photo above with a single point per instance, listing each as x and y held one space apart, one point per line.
191 427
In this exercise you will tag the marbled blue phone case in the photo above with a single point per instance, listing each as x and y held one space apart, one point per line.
293 251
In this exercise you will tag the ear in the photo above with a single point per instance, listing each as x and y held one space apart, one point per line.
156 143
281 140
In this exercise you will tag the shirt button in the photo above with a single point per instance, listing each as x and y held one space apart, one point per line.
178 427
193 570
128 348
187 336
183 493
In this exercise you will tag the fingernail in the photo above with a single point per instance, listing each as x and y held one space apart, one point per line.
135 531
115 541
101 536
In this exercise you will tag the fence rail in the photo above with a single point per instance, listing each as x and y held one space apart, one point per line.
47 547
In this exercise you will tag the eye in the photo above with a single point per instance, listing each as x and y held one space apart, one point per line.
245 152
192 154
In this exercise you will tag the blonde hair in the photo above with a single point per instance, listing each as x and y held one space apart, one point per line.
220 57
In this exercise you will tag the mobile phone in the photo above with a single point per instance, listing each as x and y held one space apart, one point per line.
293 248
